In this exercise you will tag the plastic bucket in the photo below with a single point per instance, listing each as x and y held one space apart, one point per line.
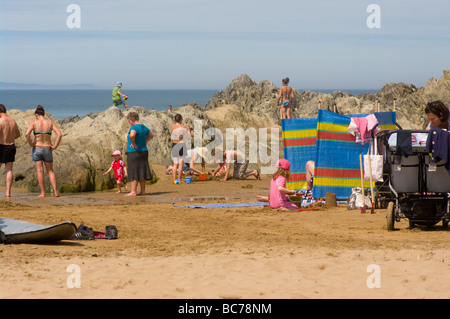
188 179
202 177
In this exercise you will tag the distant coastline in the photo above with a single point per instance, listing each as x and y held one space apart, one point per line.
32 86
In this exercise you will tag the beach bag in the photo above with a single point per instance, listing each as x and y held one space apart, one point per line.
356 200
376 164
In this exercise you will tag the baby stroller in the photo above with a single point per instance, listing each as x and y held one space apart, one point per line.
419 189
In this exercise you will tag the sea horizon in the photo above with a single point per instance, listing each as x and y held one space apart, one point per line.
64 103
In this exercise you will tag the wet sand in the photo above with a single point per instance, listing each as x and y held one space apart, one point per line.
252 252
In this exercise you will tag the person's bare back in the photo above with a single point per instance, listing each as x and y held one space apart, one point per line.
9 130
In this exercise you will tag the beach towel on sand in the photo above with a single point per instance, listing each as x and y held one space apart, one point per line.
225 205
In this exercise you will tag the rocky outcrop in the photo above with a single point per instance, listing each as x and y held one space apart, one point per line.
260 99
84 153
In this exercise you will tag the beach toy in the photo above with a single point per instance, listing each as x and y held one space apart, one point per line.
188 179
176 182
202 176
125 97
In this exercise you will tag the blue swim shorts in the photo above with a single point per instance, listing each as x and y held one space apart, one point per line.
42 154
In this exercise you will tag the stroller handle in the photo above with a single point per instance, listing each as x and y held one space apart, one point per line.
377 125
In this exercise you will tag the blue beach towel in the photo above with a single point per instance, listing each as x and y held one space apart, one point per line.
225 205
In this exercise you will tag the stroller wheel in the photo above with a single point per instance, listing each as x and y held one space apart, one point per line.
390 217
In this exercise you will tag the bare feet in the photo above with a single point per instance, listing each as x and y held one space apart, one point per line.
260 198
131 194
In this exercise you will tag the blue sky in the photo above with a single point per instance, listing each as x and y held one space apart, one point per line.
204 44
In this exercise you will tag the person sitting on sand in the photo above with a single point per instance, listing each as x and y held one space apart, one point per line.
239 167
120 171
196 155
309 179
278 191
193 156
186 169
42 153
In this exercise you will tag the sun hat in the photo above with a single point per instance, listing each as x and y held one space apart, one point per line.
119 84
116 152
283 163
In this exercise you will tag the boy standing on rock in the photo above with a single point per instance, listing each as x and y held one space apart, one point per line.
116 94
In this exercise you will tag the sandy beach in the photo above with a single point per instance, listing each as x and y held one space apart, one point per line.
172 252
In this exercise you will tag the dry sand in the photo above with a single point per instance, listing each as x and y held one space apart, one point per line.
174 252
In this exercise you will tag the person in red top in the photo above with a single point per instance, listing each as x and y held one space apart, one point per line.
120 170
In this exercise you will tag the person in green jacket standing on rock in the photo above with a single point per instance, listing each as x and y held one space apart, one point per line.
117 94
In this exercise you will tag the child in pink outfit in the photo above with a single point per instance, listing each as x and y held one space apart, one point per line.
278 191
120 170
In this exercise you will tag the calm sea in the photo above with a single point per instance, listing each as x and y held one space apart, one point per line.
64 103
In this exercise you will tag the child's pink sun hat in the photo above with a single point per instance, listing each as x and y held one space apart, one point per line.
116 152
283 163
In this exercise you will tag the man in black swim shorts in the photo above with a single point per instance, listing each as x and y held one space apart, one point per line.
9 131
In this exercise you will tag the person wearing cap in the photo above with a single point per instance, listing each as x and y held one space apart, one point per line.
278 191
120 170
117 94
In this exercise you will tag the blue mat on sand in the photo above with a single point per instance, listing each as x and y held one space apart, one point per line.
225 205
